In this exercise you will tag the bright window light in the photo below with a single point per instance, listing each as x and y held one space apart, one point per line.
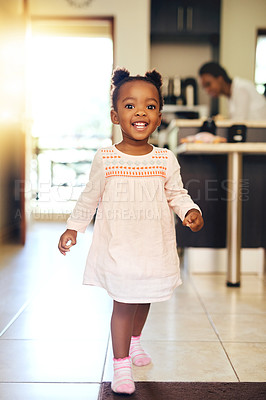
69 100
69 86
260 69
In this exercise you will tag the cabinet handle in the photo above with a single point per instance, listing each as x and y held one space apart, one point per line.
180 18
189 18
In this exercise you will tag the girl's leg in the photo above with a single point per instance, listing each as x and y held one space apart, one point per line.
140 318
122 323
138 355
121 328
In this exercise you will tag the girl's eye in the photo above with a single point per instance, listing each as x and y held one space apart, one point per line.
129 106
151 107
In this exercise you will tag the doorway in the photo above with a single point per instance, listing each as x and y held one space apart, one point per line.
68 83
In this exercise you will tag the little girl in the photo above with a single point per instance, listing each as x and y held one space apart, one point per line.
134 187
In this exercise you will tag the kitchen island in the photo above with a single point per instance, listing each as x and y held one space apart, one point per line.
234 152
206 171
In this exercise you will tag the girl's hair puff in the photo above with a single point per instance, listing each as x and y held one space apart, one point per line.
122 75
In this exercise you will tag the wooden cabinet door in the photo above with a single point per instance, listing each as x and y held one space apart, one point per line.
203 17
185 18
163 16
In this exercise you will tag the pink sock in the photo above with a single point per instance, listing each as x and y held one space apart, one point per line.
123 380
138 355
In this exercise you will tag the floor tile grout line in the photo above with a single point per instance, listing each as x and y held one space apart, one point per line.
214 328
19 312
201 341
222 344
106 355
35 294
144 340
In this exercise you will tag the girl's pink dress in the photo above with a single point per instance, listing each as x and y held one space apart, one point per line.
133 252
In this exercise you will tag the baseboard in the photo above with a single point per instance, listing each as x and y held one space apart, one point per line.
207 260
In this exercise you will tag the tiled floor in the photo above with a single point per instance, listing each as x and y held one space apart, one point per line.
54 332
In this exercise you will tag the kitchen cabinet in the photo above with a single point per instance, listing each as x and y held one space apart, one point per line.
174 19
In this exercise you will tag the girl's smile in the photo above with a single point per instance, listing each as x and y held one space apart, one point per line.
140 126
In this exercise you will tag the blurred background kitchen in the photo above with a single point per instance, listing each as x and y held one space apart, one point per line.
56 59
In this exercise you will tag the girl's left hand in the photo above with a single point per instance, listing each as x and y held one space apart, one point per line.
193 220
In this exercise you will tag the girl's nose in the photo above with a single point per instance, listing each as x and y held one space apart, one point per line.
140 113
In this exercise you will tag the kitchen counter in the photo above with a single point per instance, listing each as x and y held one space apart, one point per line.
221 148
234 193
220 123
181 128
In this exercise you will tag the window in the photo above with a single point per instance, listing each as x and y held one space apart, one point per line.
69 72
260 67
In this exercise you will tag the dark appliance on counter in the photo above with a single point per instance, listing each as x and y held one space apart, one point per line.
208 126
180 91
165 90
189 90
187 114
237 134
172 91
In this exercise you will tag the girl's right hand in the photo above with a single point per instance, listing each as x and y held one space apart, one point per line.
68 236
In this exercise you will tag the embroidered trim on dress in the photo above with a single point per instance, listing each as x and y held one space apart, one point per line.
116 165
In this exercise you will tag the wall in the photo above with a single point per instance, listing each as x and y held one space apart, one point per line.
239 24
182 60
12 29
132 50
132 26
131 29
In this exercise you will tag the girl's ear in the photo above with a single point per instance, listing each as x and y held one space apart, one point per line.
159 119
114 117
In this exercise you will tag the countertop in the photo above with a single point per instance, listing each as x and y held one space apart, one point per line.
221 148
220 124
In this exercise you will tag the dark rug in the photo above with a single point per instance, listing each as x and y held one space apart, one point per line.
189 391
